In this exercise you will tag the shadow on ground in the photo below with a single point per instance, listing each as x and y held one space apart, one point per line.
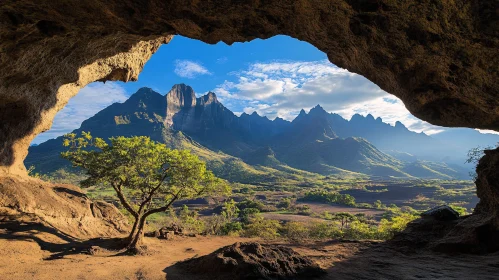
56 242
354 260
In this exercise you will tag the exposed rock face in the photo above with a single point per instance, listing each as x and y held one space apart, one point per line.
480 231
179 97
63 207
488 180
442 230
247 261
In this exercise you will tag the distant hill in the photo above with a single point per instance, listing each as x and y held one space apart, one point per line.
252 147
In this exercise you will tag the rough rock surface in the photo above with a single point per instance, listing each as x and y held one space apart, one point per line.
63 207
253 261
439 57
442 213
479 233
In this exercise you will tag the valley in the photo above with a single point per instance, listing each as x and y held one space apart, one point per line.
253 149
308 170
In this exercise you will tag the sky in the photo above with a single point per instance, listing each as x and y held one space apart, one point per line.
276 77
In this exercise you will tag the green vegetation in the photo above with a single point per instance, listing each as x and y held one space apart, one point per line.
146 176
329 197
249 223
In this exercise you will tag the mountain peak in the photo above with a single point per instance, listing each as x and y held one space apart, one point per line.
357 117
398 124
317 110
145 95
208 98
144 91
181 95
255 114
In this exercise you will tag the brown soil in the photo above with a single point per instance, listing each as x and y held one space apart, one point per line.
33 251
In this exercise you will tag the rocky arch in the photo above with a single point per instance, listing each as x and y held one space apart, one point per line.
440 57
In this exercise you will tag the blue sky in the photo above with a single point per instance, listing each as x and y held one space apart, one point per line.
275 77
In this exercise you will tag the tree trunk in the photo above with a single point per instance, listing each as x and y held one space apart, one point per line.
129 239
135 245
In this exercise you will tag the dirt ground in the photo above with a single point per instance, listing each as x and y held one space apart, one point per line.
32 251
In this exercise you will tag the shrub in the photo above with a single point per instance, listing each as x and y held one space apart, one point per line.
264 228
247 214
232 228
296 231
190 221
359 230
284 203
329 197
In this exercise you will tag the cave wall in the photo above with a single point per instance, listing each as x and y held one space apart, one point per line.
440 57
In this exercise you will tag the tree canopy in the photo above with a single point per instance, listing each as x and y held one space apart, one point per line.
146 175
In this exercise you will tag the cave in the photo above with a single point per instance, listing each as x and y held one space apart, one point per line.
440 58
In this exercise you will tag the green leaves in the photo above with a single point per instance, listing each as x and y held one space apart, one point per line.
152 174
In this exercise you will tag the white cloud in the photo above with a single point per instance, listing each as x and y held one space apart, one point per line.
390 109
282 89
90 100
189 69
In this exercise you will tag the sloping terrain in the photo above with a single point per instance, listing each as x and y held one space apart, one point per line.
236 148
64 208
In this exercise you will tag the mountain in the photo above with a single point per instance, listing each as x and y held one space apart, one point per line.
313 143
251 147
466 139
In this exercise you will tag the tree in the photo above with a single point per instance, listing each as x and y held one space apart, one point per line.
344 218
230 210
147 176
474 155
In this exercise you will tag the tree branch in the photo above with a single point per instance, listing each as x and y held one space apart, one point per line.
124 201
151 193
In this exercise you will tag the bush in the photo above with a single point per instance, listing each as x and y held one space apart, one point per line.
284 203
251 204
232 228
264 228
189 220
329 197
247 214
324 230
296 231
359 230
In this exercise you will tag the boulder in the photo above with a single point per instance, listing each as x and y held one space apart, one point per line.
253 261
442 213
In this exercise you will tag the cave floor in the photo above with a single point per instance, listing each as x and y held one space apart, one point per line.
34 253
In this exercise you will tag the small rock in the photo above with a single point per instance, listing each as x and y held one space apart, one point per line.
170 235
442 213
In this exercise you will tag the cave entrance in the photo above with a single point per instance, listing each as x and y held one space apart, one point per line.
440 59
273 95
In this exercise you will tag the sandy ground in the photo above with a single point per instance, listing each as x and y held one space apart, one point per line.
32 252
